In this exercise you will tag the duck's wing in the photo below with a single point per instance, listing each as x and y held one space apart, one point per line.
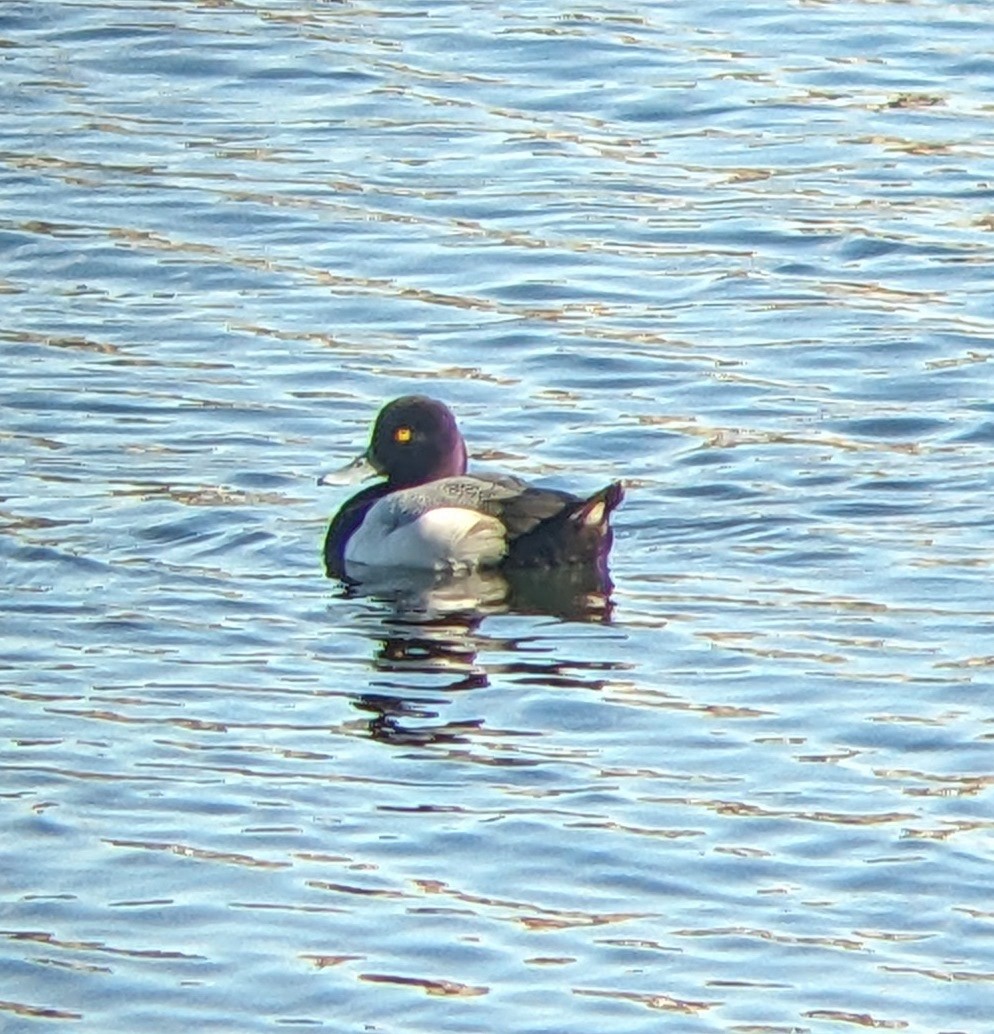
541 526
519 507
523 508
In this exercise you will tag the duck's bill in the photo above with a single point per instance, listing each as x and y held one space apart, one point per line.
360 469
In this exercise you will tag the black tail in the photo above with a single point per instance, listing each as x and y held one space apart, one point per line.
579 533
595 513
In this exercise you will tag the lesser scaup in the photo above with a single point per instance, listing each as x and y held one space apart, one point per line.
430 514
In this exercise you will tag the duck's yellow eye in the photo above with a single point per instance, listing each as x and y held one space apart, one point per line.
402 435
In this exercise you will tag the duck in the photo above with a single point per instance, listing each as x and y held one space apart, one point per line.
426 512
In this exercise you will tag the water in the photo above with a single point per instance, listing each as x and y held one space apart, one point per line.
736 255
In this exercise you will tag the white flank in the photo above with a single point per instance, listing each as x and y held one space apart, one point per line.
443 537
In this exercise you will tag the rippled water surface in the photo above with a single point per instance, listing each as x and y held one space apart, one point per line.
738 255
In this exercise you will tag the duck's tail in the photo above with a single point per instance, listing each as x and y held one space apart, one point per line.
579 533
594 514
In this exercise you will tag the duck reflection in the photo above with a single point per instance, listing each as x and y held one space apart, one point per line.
413 654
573 593
429 637
406 723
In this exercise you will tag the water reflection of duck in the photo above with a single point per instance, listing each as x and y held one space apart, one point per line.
579 592
429 514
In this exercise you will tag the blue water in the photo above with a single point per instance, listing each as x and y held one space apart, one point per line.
738 256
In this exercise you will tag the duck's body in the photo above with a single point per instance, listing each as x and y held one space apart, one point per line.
430 514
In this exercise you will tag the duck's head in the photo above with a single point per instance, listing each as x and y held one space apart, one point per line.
415 439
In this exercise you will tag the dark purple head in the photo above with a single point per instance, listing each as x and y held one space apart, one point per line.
415 439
